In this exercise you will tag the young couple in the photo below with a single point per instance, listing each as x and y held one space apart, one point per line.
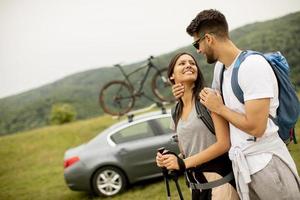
263 168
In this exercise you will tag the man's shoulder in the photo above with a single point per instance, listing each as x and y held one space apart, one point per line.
254 63
254 59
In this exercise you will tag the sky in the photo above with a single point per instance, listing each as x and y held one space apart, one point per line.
42 41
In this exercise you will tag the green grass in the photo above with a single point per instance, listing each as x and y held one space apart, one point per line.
32 164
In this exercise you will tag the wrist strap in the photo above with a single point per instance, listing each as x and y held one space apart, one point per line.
181 164
180 161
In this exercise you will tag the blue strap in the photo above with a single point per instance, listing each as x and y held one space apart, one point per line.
234 78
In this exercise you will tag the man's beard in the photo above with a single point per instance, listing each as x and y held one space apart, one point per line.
210 57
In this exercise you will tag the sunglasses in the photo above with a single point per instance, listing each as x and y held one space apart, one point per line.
196 43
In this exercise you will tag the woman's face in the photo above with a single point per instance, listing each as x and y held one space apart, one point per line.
185 70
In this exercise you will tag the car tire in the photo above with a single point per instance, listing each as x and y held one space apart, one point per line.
108 181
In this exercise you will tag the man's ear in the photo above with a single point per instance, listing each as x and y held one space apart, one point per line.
210 39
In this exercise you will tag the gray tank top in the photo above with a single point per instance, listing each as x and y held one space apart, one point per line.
193 135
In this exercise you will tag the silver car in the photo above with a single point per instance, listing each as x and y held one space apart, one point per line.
120 155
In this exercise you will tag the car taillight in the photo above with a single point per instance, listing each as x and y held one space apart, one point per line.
70 161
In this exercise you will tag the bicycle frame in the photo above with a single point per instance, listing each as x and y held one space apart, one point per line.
122 93
149 65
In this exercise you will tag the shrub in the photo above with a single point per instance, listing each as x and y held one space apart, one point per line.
62 113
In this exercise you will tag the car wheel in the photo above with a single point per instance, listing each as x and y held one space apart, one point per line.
108 181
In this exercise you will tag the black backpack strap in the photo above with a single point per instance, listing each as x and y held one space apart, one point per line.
220 165
212 184
204 115
221 81
174 111
293 135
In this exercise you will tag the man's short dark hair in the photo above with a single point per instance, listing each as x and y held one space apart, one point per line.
209 21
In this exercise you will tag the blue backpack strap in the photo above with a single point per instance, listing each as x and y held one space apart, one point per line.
234 78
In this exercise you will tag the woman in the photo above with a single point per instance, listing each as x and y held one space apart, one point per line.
197 144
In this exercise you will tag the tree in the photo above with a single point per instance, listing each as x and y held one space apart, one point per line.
62 113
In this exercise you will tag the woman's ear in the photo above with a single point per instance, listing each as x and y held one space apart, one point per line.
172 80
172 77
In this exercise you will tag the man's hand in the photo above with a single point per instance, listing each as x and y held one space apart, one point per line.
178 90
211 99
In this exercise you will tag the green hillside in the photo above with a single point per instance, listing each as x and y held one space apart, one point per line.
31 109
32 164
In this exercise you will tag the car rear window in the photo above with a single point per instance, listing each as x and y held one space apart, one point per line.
165 124
135 132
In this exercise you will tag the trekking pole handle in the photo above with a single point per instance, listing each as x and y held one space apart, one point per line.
161 150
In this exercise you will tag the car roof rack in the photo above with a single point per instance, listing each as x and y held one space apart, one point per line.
130 117
131 114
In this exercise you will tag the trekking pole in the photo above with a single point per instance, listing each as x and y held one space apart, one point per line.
165 174
175 179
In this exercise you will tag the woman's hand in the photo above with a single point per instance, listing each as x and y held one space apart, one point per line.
159 160
170 162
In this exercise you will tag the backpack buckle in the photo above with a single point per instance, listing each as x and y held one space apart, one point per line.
252 139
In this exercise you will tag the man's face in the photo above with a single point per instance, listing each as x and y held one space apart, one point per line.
203 42
210 56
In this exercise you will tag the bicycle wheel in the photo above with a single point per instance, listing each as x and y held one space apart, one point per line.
161 86
116 98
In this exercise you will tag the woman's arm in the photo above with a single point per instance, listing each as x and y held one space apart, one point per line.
221 146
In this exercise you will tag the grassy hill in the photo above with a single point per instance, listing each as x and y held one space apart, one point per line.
32 164
31 109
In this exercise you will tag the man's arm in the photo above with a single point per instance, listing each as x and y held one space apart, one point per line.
253 122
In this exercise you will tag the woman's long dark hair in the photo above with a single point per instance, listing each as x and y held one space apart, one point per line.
199 83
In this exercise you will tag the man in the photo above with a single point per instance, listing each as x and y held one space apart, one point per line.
262 165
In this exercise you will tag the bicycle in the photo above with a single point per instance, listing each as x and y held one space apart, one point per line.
117 97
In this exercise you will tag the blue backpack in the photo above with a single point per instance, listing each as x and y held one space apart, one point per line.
288 109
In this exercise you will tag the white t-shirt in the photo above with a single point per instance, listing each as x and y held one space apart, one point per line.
257 80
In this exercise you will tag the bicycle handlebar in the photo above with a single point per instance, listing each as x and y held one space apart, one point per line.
144 65
117 65
150 61
147 64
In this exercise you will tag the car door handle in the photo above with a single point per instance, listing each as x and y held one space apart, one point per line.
123 151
